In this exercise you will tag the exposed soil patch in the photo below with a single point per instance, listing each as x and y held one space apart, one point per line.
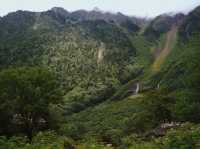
169 44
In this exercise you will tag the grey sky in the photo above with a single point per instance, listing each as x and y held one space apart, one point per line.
130 7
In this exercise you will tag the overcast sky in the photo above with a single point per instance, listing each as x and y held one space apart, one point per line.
143 8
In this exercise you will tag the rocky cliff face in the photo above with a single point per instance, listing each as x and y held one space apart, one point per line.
161 25
191 24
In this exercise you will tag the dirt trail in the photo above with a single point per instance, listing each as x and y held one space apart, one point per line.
168 46
100 54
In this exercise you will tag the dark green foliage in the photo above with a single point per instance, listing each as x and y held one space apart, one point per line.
191 25
132 115
187 105
125 91
180 77
43 140
158 104
155 108
158 26
186 137
94 55
108 116
73 130
16 22
26 94
97 59
130 26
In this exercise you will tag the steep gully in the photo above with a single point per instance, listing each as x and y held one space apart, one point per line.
160 57
168 46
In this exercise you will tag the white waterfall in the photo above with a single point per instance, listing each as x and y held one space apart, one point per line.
137 88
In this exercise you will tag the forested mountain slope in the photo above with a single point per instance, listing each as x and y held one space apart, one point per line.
95 80
92 56
167 96
180 72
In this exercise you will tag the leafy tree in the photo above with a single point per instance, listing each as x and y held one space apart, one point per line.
159 105
27 93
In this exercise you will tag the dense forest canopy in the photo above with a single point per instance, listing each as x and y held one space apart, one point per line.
95 80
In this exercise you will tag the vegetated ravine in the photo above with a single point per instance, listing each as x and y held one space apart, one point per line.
98 80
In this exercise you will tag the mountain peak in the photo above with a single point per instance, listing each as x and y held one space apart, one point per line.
97 9
59 10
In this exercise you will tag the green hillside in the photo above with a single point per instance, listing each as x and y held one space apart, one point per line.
97 80
91 57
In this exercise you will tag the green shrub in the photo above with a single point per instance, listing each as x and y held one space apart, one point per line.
186 137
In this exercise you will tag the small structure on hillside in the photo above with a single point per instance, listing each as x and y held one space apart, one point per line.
134 89
162 129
